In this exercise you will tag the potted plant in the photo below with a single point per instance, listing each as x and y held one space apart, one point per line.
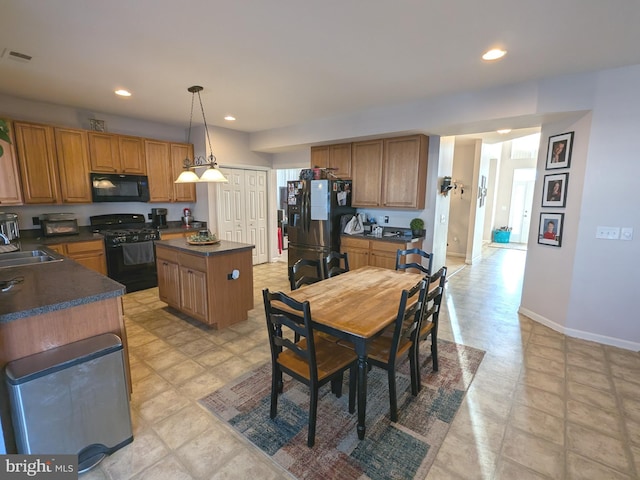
4 134
417 227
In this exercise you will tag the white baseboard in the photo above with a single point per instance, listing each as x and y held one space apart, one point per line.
570 332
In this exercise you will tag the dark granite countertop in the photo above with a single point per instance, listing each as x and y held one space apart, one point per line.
52 286
205 250
402 239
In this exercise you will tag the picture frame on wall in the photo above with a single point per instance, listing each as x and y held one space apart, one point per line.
559 151
554 190
551 228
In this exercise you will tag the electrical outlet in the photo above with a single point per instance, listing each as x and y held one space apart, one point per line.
36 221
626 233
386 219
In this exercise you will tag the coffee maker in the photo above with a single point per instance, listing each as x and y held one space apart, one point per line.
159 217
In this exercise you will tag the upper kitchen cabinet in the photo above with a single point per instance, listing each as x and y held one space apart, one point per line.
366 163
35 145
110 153
10 193
72 153
335 157
390 173
405 172
164 162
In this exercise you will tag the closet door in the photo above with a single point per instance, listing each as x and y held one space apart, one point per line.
231 206
256 213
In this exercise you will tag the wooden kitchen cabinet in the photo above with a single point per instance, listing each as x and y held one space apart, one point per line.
172 235
88 253
374 252
193 287
72 156
164 163
168 276
111 153
336 157
390 173
366 165
405 172
35 145
10 193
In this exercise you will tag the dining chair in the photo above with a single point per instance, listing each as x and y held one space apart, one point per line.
310 360
332 263
397 341
304 272
403 261
430 315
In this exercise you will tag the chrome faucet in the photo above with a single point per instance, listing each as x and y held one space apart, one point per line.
6 239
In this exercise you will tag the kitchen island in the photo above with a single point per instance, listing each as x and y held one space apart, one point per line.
210 283
55 303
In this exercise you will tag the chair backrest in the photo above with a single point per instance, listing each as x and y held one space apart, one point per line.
402 260
433 299
332 264
408 320
304 272
287 326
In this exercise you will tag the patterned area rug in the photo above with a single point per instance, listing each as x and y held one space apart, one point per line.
401 450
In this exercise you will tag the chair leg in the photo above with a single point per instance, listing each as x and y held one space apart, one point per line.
353 382
275 388
336 385
414 371
313 409
434 349
416 355
393 402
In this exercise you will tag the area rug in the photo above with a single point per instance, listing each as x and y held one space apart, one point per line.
401 450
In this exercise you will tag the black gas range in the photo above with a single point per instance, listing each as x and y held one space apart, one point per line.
129 249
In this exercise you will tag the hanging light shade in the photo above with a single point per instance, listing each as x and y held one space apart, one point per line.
211 174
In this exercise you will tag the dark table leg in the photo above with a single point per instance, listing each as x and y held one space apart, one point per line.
362 387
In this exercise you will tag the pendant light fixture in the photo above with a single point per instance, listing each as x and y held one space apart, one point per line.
211 174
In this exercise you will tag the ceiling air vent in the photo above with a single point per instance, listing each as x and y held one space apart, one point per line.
21 57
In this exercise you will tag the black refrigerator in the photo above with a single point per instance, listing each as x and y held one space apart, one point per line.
314 211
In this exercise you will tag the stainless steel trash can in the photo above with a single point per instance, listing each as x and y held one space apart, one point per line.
72 399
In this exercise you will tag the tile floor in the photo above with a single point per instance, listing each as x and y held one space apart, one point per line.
542 405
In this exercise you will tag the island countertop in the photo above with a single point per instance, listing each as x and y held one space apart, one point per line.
53 286
224 246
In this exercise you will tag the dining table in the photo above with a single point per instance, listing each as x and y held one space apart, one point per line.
357 306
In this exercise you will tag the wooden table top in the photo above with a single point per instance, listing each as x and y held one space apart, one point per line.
359 302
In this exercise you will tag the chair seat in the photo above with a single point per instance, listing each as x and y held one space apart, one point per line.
330 359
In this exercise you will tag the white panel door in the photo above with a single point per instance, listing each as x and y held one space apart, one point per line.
256 213
521 203
231 207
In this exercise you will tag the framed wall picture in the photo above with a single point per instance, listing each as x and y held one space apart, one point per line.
550 230
559 151
554 190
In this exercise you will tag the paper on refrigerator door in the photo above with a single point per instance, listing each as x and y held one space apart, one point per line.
319 200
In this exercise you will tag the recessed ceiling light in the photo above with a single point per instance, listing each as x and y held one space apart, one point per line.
503 131
123 93
230 118
494 54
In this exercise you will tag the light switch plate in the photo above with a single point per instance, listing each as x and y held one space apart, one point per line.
626 233
608 233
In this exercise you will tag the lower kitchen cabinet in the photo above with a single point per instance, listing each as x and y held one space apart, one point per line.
202 286
377 253
89 254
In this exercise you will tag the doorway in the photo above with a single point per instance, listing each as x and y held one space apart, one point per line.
521 203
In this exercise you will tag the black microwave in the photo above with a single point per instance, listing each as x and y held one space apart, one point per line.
112 187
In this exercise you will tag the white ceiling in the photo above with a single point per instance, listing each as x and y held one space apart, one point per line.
283 62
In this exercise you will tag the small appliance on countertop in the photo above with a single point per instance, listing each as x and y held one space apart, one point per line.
57 224
187 218
159 218
9 232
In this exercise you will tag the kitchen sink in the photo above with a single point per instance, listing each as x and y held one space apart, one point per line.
30 257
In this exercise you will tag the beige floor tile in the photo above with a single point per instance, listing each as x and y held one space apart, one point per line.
631 408
549 382
168 468
148 387
192 349
165 359
246 465
588 377
597 446
534 453
625 388
152 348
508 470
214 356
544 365
635 452
590 362
538 423
592 396
183 425
544 401
145 450
580 468
232 368
606 421
439 472
467 459
548 338
181 372
485 430
201 385
592 349
161 406
546 352
633 431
